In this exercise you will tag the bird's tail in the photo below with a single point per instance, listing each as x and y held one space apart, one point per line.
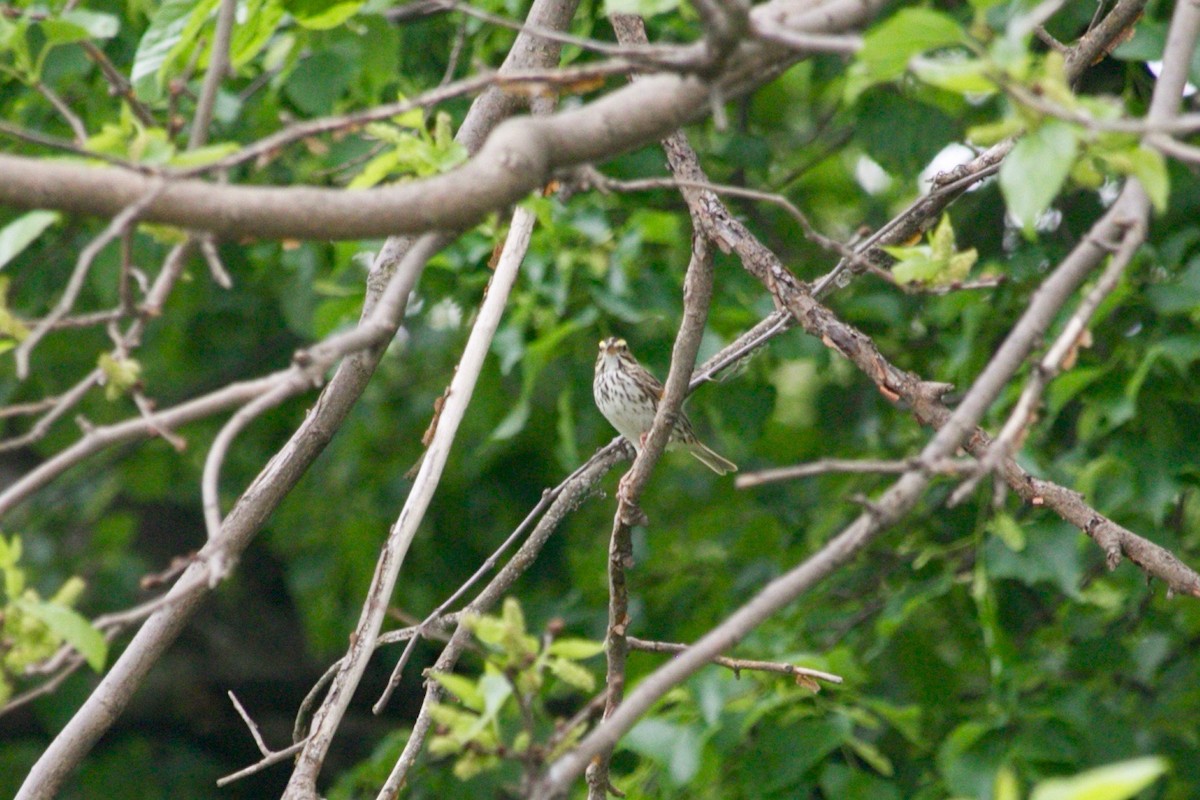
711 459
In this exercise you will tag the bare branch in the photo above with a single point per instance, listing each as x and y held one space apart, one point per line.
329 716
120 86
738 664
697 295
1052 363
258 740
519 157
855 466
119 224
210 480
64 110
218 63
58 406
267 760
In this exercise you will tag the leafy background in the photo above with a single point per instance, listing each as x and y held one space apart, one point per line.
974 641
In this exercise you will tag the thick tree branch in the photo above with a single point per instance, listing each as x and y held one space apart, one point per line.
325 724
519 157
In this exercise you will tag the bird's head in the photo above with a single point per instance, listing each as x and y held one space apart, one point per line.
612 350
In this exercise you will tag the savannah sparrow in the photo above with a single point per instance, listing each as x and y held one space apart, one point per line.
627 395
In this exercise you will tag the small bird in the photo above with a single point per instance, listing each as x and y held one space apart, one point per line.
627 395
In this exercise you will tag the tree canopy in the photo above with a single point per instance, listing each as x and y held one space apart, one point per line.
304 491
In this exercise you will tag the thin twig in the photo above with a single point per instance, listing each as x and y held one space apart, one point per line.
58 407
120 86
328 718
267 761
146 407
529 80
216 269
60 105
737 664
210 480
115 228
251 724
851 466
218 64
492 561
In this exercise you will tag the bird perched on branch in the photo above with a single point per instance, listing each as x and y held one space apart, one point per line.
628 396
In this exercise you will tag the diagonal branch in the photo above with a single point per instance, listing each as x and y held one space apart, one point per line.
303 781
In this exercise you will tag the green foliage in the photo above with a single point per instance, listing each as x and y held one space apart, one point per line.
936 263
23 231
502 713
413 150
987 651
1114 782
33 628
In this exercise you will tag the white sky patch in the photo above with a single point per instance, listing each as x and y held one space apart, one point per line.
951 156
873 178
1155 68
445 315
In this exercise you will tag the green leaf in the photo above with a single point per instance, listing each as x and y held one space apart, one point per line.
262 18
513 422
899 132
496 690
576 649
322 14
644 8
120 374
319 81
571 673
1113 782
14 576
965 76
1008 531
888 47
14 39
462 688
1150 168
872 755
59 31
1006 786
676 746
1034 172
165 32
23 231
936 263
69 625
941 241
917 268
513 616
79 25
988 134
